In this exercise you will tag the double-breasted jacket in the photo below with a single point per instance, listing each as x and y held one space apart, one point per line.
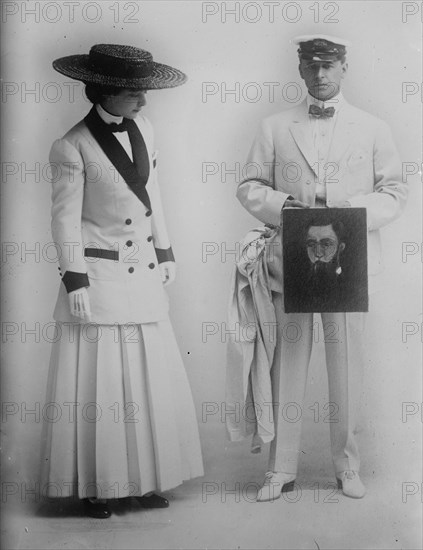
107 238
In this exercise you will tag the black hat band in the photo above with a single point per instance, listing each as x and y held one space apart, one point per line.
113 66
324 56
321 48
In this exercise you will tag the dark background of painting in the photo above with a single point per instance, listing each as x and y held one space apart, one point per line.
353 295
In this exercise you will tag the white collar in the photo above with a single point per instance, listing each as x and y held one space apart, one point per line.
337 102
108 117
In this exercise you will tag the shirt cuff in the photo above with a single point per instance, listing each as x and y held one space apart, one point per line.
164 255
73 280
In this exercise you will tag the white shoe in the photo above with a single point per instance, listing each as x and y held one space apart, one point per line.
350 483
274 484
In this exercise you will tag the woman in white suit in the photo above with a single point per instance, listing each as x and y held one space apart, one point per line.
127 425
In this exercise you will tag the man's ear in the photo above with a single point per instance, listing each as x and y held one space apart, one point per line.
341 247
300 69
344 69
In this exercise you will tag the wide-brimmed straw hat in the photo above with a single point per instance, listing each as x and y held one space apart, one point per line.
120 66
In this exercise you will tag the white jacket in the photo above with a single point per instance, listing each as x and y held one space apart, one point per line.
93 207
365 170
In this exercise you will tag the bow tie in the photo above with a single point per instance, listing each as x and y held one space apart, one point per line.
122 127
316 111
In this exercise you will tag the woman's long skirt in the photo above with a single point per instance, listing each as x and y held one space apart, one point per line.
119 418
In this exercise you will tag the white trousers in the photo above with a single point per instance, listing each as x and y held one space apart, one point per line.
343 335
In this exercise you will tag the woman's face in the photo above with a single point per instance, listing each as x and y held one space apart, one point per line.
127 103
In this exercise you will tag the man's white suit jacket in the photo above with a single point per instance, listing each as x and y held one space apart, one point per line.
363 167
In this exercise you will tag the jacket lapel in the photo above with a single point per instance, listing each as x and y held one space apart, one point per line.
300 131
134 173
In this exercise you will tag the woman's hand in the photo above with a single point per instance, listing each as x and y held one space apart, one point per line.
79 304
168 272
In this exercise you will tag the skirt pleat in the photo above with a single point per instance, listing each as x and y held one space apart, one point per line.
122 419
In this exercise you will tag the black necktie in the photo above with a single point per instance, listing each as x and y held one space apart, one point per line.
122 127
316 111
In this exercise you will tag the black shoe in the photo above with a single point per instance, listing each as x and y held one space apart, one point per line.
99 510
153 501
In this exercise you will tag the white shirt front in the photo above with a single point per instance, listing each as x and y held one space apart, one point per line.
321 131
122 137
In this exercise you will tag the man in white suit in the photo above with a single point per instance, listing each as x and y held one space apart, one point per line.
322 153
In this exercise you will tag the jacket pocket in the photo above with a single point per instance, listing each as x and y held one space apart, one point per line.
101 263
357 161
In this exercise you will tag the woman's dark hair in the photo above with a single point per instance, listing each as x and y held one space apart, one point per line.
97 92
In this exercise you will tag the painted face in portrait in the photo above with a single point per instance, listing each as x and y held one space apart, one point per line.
322 244
323 249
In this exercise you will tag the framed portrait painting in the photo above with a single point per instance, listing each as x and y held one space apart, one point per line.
325 260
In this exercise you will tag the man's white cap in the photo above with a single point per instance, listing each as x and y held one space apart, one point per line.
309 37
320 47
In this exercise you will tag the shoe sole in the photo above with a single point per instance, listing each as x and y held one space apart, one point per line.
96 515
340 486
286 488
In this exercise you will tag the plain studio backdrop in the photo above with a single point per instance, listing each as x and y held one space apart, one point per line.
241 67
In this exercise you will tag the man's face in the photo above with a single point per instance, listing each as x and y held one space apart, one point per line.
127 103
322 78
322 244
